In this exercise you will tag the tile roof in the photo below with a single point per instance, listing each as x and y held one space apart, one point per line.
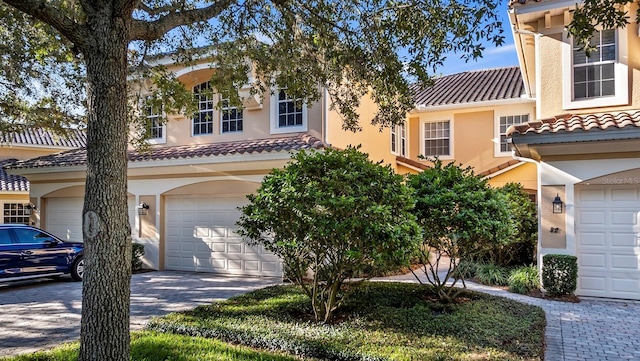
569 123
78 157
37 136
472 87
10 182
498 168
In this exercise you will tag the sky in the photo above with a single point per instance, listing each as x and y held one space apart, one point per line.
493 57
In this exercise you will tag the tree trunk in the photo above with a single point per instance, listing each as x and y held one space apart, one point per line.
106 285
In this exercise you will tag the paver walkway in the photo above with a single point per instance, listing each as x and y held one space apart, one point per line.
591 330
46 313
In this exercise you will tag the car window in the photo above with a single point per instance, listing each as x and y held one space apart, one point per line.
5 236
31 236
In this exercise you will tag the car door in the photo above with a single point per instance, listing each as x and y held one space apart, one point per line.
9 255
41 252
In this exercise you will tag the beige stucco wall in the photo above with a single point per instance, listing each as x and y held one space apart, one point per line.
525 174
20 152
256 119
374 140
552 64
549 220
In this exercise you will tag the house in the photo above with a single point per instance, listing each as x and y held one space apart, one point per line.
184 192
462 118
585 143
16 204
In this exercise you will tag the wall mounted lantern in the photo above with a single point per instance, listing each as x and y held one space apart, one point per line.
557 204
142 209
28 208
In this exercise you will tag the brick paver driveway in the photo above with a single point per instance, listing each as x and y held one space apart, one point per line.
43 314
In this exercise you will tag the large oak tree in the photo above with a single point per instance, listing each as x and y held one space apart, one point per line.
348 47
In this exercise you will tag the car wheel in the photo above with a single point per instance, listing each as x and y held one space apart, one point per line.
77 269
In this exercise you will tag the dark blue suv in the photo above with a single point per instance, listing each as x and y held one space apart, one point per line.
28 252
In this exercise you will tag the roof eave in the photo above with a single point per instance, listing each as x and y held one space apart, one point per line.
421 108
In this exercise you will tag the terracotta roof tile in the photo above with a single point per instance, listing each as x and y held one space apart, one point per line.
472 87
77 157
498 168
10 182
569 123
37 136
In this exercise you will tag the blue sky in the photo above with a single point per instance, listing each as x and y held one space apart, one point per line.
493 57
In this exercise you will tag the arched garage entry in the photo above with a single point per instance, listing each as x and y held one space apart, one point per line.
200 231
61 212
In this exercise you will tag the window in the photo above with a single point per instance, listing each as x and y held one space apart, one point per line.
15 213
31 236
156 128
203 120
600 79
288 115
437 139
594 75
505 123
231 117
399 140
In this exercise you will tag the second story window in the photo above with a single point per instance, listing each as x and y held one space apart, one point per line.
505 123
231 117
437 139
399 140
594 75
288 115
203 119
156 128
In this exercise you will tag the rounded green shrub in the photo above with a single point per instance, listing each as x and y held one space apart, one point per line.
524 279
137 251
559 274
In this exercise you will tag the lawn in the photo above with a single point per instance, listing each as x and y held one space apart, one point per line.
381 321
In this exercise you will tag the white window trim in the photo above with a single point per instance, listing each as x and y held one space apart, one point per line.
213 116
621 72
163 139
221 111
497 150
395 132
422 138
275 129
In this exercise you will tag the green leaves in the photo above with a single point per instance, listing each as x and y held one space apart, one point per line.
604 14
336 214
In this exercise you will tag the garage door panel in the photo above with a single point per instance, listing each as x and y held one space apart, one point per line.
607 232
211 224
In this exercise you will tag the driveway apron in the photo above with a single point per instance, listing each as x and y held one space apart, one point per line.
45 313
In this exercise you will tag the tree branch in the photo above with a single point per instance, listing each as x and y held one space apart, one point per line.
41 10
154 30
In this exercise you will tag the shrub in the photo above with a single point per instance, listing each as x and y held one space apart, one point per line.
524 279
492 274
559 274
137 251
334 213
465 269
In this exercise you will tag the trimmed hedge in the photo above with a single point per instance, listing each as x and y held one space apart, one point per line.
559 274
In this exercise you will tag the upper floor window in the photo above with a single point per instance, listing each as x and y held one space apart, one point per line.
154 124
594 75
505 123
288 115
437 139
231 117
599 79
399 140
203 119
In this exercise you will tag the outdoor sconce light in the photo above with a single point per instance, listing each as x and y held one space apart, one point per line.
29 208
143 208
557 204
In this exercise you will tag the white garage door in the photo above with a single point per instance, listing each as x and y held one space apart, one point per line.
608 241
64 217
201 237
